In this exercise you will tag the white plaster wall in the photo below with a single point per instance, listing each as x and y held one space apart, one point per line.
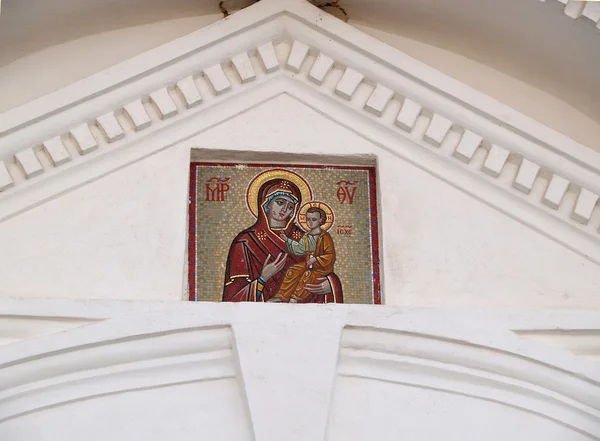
182 412
124 236
187 371
361 407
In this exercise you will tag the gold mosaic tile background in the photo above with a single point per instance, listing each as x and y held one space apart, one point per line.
218 222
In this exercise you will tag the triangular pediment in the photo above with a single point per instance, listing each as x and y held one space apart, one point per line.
170 94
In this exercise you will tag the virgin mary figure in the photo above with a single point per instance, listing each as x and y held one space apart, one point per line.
258 258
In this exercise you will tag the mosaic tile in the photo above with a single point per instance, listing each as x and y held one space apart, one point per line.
234 225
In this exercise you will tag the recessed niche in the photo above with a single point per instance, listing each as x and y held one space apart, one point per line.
283 228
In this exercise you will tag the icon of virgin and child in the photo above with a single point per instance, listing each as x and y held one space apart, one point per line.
287 255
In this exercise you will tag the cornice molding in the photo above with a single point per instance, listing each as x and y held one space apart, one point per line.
581 8
483 373
136 346
169 94
113 366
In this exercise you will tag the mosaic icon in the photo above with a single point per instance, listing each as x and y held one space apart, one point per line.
283 233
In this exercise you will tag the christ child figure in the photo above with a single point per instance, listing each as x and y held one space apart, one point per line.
317 246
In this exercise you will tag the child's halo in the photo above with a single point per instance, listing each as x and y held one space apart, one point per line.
316 204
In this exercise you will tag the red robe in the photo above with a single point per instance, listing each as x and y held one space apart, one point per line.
250 249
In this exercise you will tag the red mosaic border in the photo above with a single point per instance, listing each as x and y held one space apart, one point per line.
192 235
373 208
375 236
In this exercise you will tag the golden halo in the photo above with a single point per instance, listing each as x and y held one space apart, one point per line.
260 179
323 206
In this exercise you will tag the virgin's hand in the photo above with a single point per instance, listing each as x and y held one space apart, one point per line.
322 287
270 269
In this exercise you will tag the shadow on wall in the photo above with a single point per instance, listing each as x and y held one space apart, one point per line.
227 7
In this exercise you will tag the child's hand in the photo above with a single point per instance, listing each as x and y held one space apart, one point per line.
311 260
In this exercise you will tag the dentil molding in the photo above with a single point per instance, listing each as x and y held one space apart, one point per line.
167 95
581 8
